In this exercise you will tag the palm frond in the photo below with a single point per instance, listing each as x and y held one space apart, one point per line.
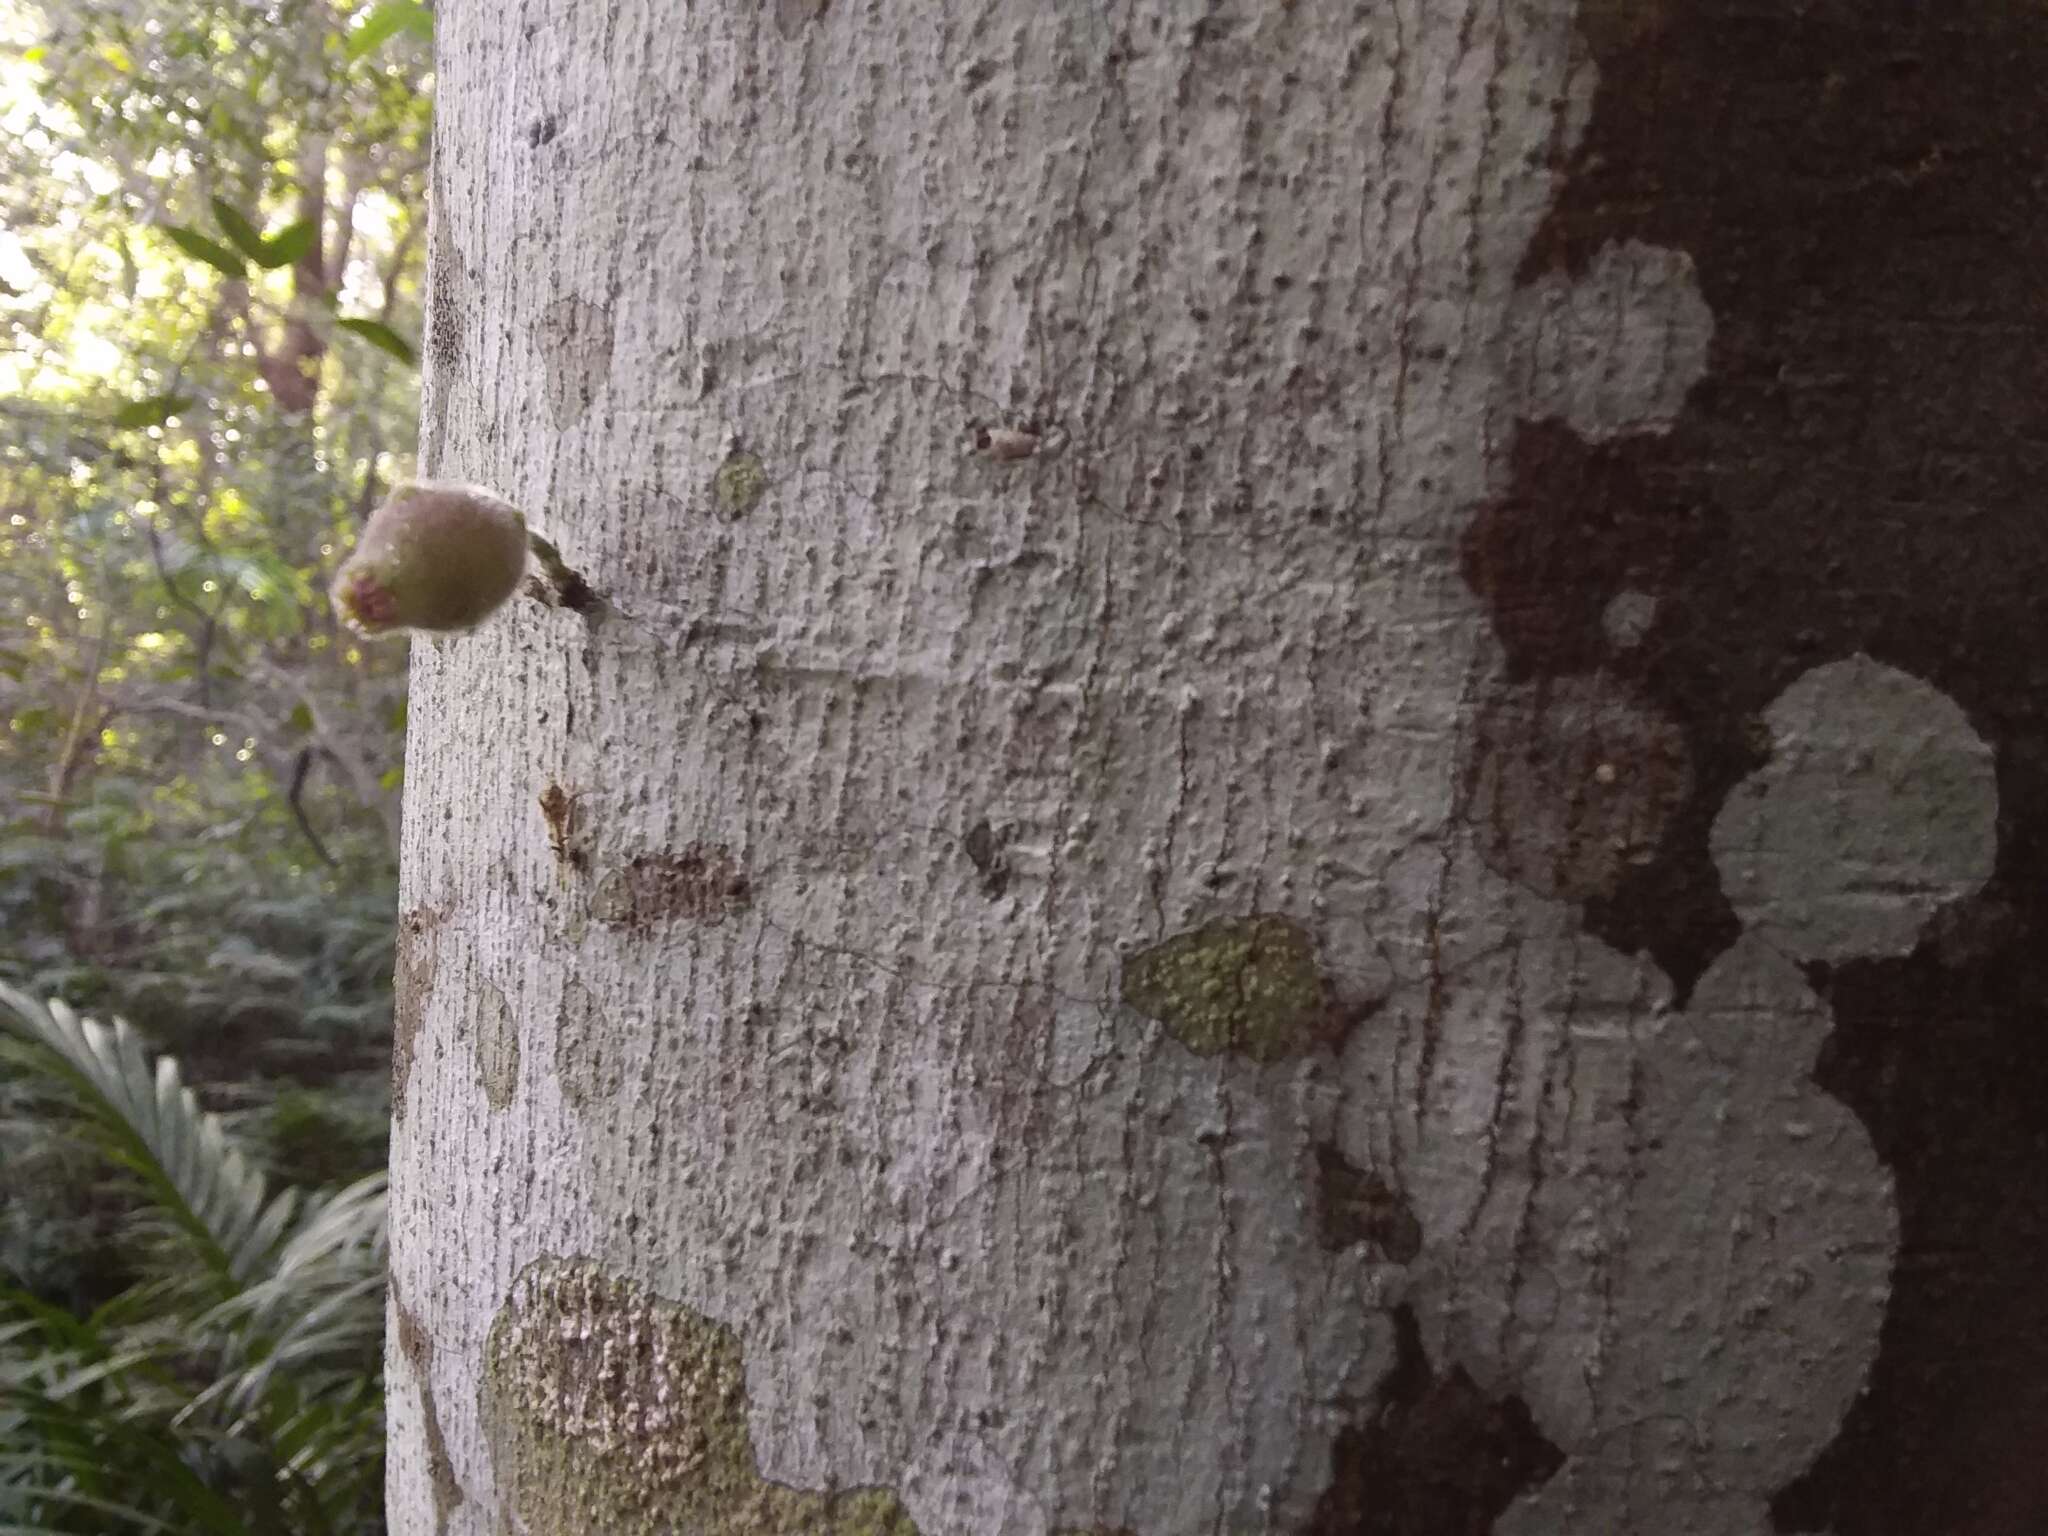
152 1125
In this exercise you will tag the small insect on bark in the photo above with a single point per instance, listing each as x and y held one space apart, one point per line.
558 810
1004 444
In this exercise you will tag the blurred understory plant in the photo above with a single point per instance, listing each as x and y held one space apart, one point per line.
234 1388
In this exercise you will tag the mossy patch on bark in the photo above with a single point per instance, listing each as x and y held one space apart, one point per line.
740 484
611 1411
1249 985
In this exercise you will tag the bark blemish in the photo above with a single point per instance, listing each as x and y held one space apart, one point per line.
701 883
1355 1205
610 1410
448 306
792 16
417 1346
984 849
419 947
1572 783
1248 985
576 350
1438 1457
740 483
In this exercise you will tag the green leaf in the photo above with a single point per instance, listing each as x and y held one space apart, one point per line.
288 244
382 337
199 248
238 229
271 252
386 21
152 412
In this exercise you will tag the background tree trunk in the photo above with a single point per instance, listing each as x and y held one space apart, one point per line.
1312 801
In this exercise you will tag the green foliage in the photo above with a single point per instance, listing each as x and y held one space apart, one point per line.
234 1388
383 22
199 769
380 336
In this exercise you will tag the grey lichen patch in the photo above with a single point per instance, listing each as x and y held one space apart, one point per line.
497 1048
609 1410
700 883
419 947
417 1346
586 1051
1355 1205
740 483
576 349
1878 806
1572 782
1250 985
1614 349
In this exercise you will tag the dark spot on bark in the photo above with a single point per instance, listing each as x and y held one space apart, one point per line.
543 131
1580 525
1355 1206
977 74
1862 187
1437 1457
448 303
985 851
1571 783
419 946
418 1348
699 884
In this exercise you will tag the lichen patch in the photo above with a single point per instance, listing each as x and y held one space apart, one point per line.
497 1048
1248 985
612 1411
1879 806
419 949
740 483
576 348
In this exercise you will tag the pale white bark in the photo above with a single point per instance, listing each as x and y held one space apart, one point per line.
916 745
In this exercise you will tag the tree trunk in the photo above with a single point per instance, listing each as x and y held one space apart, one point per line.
1308 800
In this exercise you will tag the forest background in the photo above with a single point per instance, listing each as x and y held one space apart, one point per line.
212 233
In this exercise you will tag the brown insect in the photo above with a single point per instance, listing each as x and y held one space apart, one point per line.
558 809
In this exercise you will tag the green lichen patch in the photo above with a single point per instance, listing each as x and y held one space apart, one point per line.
740 483
1244 984
611 1411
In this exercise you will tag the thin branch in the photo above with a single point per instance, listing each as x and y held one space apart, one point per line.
294 798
